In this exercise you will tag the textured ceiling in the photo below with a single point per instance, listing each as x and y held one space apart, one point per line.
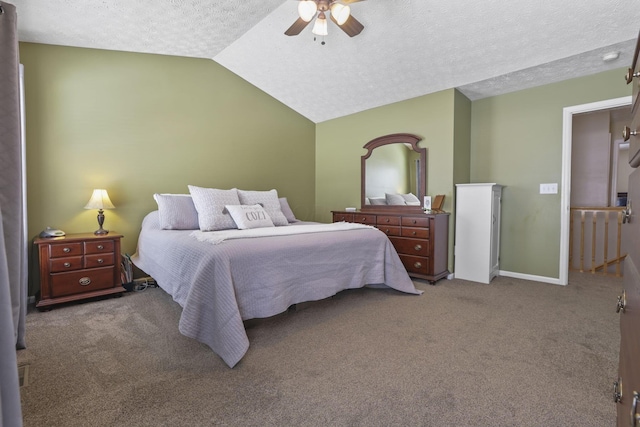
408 48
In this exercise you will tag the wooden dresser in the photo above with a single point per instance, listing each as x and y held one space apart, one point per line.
420 239
78 266
627 387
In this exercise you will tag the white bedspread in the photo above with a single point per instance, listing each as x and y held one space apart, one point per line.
219 286
216 237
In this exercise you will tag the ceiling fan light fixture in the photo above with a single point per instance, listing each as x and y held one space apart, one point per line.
340 12
320 26
307 10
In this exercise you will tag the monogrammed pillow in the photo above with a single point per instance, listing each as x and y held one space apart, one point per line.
268 200
210 204
249 216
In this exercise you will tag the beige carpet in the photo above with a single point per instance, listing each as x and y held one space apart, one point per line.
512 353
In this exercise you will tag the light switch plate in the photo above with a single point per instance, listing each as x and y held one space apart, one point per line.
549 188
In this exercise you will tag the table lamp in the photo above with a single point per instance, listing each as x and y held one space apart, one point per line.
100 200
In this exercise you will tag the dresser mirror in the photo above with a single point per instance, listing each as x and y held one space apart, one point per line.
394 175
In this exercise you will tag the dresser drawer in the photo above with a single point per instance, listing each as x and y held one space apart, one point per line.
388 220
389 230
98 247
415 264
342 217
98 260
65 250
81 281
419 233
364 218
415 221
411 246
65 264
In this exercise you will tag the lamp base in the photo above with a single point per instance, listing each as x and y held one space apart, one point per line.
101 232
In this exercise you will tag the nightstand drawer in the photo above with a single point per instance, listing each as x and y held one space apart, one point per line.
98 260
66 264
81 281
65 250
364 218
98 247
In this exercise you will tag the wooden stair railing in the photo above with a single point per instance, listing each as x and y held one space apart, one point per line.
596 218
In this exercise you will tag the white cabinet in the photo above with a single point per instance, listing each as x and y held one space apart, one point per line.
477 232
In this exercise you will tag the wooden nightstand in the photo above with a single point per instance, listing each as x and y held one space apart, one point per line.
78 266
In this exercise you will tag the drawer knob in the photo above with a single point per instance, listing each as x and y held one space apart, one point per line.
364 218
100 247
84 281
627 133
617 391
622 302
415 222
386 231
417 265
413 233
635 418
418 247
100 261
66 250
67 264
630 75
387 220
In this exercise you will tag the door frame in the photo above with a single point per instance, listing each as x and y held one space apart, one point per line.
565 196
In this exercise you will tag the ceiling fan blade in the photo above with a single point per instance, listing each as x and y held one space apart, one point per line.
352 26
297 26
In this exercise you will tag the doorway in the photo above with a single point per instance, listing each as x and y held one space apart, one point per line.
565 199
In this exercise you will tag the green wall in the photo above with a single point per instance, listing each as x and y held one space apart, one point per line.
339 145
516 140
137 124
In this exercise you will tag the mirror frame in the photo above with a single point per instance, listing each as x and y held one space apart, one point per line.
394 138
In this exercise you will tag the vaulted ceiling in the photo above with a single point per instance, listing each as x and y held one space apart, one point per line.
407 49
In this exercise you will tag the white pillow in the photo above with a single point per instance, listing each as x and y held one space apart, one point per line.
249 216
210 204
286 209
411 199
176 212
394 199
268 200
377 201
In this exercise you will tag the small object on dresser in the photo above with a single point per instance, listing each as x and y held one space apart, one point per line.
350 209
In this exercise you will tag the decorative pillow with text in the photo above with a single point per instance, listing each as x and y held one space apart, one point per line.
268 200
249 216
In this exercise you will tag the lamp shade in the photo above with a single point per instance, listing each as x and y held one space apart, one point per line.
99 200
320 26
307 10
340 13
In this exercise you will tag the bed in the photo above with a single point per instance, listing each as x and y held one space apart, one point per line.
219 283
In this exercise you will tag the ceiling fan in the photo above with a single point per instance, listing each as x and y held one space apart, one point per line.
338 10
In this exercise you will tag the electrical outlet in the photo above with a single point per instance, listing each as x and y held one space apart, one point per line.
549 188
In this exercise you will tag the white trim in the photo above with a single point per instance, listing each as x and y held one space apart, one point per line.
532 277
565 199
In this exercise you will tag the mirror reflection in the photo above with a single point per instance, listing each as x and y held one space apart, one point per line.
392 169
393 173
